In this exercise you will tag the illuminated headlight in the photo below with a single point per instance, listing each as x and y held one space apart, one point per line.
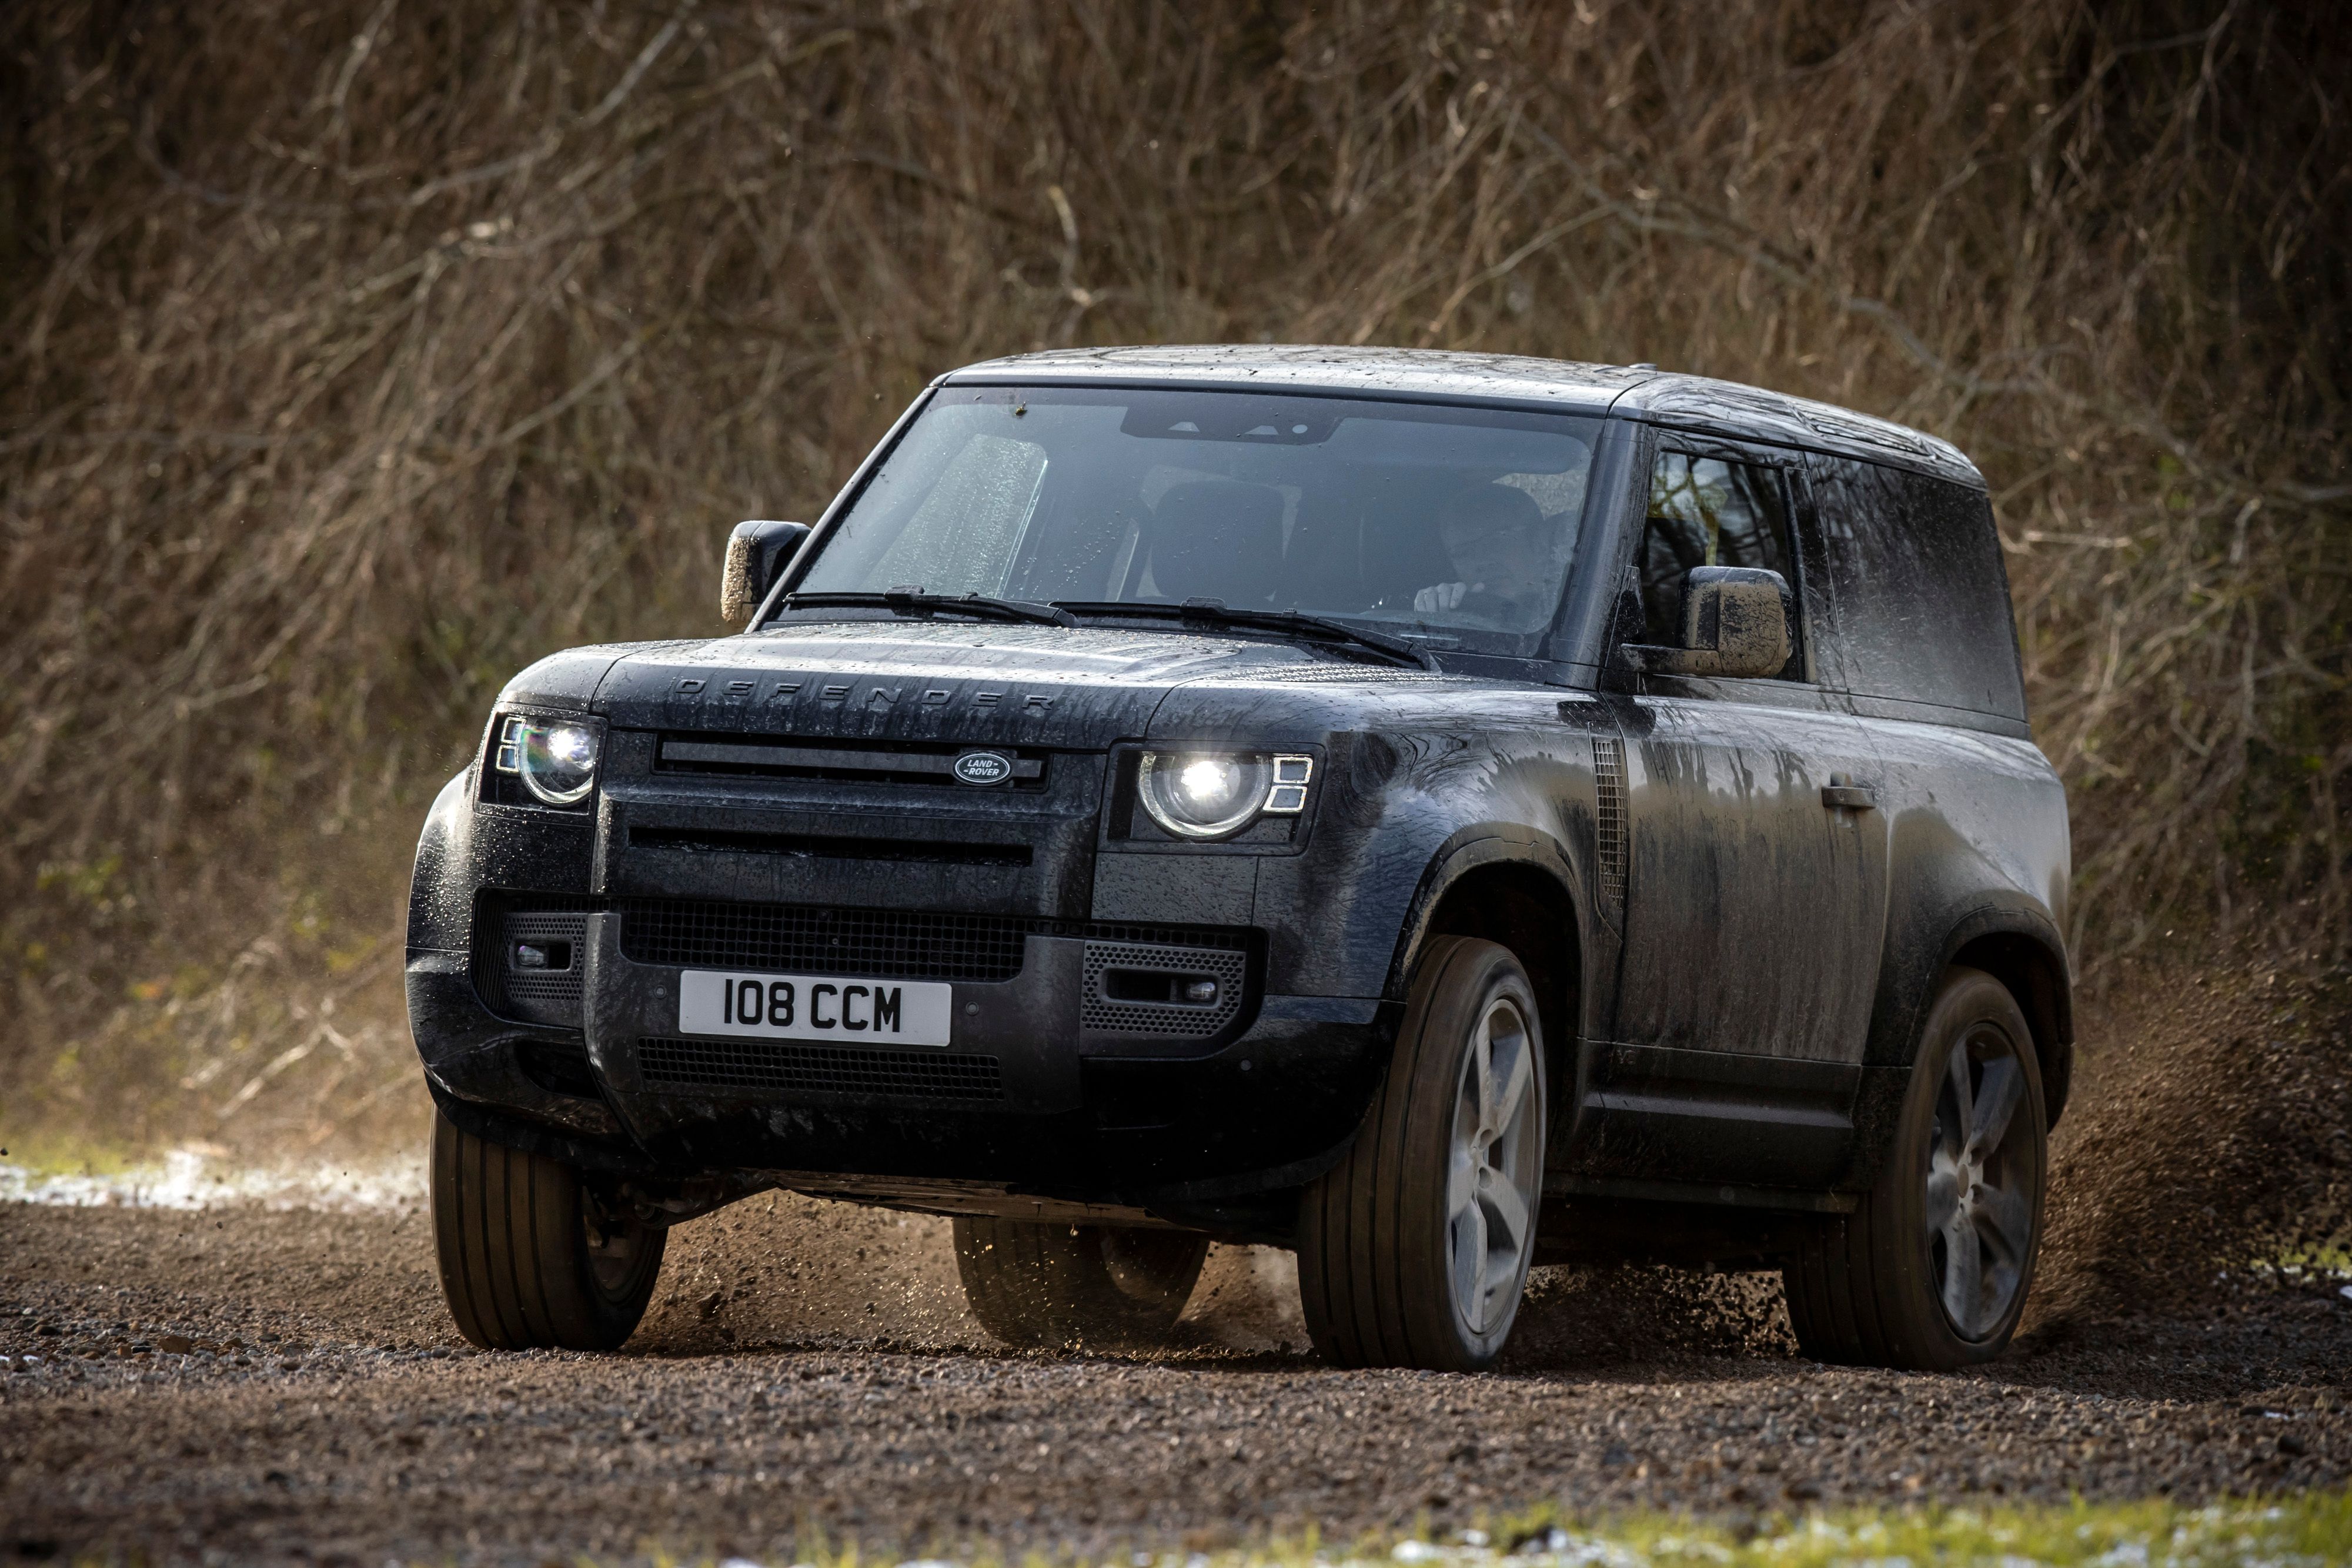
556 760
1216 794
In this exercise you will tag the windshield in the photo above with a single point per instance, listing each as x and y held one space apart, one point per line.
1454 524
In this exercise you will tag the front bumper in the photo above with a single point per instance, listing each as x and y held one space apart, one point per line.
1050 1085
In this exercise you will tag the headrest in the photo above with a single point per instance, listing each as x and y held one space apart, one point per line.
1217 539
1486 509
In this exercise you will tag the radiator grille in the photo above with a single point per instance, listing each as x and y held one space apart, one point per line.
1609 819
818 1069
1102 1014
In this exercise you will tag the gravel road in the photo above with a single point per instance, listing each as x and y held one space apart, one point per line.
285 1386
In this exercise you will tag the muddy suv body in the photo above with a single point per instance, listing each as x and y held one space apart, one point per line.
1722 866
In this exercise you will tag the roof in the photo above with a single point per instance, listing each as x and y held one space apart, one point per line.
1666 398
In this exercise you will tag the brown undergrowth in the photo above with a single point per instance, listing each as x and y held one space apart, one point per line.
356 353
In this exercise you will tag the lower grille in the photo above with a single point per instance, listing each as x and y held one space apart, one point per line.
886 943
889 944
818 1069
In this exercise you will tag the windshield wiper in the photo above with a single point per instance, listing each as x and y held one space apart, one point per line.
1307 627
915 601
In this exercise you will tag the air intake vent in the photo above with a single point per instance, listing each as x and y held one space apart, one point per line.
1134 989
888 944
818 1070
529 963
1609 827
784 938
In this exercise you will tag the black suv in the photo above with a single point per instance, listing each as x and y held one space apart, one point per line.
1436 813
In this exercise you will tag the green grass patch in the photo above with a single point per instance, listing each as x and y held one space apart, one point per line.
2311 1530
2330 1262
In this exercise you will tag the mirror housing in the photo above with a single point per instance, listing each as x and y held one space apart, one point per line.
1735 625
757 553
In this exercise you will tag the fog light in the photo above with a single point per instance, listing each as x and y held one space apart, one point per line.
1201 991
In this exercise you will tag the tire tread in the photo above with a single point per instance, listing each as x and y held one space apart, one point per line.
1358 1289
511 1253
1855 1293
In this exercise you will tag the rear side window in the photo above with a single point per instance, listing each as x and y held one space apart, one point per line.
1706 511
1909 595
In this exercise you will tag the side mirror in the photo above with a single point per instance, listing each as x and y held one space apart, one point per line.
1734 624
757 554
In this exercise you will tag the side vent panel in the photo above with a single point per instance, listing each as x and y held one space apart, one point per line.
1608 823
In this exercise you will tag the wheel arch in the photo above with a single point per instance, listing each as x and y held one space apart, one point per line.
2015 943
2026 957
1514 885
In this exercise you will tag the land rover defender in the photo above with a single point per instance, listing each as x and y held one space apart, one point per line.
1439 813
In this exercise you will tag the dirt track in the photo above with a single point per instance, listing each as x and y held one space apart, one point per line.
807 1363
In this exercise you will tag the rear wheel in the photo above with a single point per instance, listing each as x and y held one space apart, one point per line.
1414 1251
1930 1272
1036 1285
530 1257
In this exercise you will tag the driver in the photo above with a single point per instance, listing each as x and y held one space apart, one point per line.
1495 536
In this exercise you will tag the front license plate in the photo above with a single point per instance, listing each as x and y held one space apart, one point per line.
811 1007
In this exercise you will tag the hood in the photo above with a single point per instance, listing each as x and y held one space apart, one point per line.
1078 689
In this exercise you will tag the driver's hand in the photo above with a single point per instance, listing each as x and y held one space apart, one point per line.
1445 596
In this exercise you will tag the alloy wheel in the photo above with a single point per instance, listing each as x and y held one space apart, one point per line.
1495 1168
1981 1178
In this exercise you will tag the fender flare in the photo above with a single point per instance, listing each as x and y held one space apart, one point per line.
1473 849
2049 1007
1896 1019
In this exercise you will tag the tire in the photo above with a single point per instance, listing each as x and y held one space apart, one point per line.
1398 1263
1050 1286
529 1257
1931 1272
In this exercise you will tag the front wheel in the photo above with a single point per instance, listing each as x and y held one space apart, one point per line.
1414 1251
1930 1272
1047 1285
530 1257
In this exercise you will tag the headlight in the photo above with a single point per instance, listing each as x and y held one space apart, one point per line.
557 760
1216 794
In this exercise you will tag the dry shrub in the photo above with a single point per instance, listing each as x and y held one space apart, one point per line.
357 353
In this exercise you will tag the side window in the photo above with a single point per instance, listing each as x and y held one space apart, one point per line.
1706 511
1913 598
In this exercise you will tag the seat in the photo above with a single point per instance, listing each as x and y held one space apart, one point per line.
1404 550
1218 539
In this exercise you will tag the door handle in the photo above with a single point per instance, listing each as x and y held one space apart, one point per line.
1842 793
